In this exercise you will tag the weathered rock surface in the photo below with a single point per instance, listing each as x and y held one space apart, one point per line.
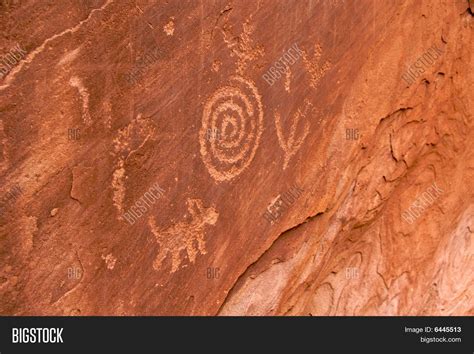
172 160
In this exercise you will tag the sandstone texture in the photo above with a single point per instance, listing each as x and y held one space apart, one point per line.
231 157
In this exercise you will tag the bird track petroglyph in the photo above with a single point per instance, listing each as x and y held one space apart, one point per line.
293 144
184 235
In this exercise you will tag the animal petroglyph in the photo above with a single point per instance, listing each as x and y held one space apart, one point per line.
184 235
293 144
77 83
314 67
236 111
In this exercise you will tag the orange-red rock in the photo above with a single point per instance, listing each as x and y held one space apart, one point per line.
316 158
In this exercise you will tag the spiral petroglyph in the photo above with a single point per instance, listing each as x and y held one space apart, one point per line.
236 112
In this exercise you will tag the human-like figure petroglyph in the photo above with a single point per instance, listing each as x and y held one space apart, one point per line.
184 235
314 66
242 46
77 83
235 111
293 144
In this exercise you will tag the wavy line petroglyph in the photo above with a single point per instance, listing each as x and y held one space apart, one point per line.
138 130
77 83
4 161
288 80
118 185
293 144
69 57
236 112
184 236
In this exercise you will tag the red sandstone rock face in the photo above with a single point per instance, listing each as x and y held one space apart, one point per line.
236 158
